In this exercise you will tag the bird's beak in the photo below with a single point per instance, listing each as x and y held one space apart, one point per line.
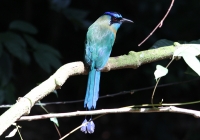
126 20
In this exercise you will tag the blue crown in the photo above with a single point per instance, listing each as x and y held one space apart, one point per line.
113 14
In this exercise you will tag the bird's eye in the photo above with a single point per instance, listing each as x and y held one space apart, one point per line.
114 19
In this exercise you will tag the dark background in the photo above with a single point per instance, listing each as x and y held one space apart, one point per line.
63 24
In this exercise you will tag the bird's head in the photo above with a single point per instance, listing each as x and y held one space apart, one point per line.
115 19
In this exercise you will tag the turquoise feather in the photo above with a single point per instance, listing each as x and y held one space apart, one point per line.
99 42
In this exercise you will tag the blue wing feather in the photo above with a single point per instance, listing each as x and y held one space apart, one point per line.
100 39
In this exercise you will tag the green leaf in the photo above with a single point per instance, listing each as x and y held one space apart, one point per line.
42 61
40 46
12 37
31 41
75 13
77 16
59 5
53 60
47 57
193 62
47 48
160 71
1 49
55 92
5 69
46 60
2 96
10 93
23 27
55 120
162 43
18 51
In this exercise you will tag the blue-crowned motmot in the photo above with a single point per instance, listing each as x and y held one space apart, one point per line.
99 41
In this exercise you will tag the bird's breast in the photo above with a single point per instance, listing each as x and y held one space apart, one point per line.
99 44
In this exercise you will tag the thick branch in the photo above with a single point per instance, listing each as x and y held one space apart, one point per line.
136 59
132 60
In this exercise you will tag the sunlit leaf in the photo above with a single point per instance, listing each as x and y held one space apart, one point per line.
193 62
23 27
187 49
12 133
189 53
160 71
55 120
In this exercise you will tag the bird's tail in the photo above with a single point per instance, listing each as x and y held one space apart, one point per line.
92 93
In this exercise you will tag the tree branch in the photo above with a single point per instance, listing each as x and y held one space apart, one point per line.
172 109
159 24
132 60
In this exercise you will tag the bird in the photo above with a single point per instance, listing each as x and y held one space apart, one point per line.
100 38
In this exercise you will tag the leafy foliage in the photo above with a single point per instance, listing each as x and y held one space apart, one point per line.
161 43
5 69
23 27
17 42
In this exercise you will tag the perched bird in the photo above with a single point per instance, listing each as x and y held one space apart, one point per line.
99 41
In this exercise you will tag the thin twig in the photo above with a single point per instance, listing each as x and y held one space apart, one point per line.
55 81
111 95
159 24
106 111
17 127
154 90
53 122
57 130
